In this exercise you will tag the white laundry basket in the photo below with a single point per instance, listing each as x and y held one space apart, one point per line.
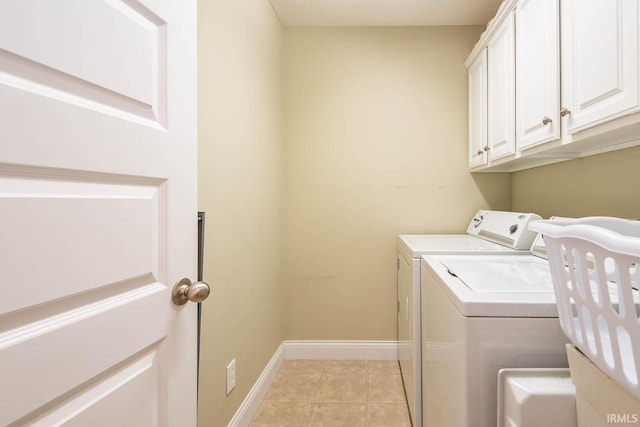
595 265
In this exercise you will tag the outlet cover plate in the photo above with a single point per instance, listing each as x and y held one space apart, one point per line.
231 376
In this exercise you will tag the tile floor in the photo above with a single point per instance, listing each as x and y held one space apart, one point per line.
333 393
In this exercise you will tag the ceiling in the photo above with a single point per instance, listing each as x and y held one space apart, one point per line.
333 13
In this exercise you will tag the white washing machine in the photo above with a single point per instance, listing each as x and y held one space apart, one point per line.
489 232
480 315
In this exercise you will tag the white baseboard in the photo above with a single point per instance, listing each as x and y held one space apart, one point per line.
251 403
309 350
341 350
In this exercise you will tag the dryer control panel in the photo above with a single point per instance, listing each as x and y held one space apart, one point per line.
506 228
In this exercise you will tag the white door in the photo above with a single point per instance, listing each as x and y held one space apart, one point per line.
501 72
537 72
97 212
478 110
600 55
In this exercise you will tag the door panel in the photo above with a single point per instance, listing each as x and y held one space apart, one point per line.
112 395
85 224
73 49
98 201
501 91
600 57
607 37
478 111
537 72
48 349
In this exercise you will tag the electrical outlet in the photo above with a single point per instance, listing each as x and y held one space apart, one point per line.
231 376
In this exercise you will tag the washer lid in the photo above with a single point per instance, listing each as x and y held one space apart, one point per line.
519 274
492 285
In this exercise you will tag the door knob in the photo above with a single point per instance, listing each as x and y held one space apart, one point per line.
546 120
184 291
564 112
479 152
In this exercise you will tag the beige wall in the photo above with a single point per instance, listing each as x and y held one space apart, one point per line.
375 124
240 186
606 184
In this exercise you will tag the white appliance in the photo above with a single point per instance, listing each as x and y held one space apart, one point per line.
480 315
489 232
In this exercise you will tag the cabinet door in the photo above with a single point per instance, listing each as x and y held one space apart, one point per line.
599 61
501 91
537 72
478 111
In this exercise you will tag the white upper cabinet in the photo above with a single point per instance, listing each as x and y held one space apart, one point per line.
501 90
564 83
599 61
537 72
478 110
